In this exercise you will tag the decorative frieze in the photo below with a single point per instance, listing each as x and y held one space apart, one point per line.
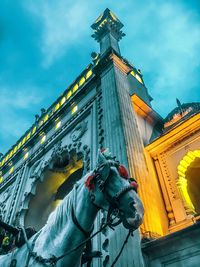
4 201
100 121
15 192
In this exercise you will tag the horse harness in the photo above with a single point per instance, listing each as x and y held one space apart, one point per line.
113 201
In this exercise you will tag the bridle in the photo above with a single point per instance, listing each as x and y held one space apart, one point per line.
101 182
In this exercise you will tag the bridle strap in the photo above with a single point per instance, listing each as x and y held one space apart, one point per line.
122 192
75 221
113 202
95 205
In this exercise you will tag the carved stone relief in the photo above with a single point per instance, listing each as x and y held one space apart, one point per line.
4 201
100 121
15 191
37 169
170 188
79 131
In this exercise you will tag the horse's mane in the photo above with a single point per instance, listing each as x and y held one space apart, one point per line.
56 218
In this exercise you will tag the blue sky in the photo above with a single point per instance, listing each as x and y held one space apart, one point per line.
44 45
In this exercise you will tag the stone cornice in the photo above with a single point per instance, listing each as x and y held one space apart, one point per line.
52 116
51 140
145 111
120 63
109 58
181 131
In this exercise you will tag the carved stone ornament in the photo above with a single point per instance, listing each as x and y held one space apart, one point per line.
4 200
37 169
79 131
60 156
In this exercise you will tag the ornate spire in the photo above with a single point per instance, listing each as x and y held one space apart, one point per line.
107 31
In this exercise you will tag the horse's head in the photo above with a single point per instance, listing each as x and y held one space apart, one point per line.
111 188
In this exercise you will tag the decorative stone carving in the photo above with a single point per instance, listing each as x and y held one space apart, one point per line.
37 117
60 156
5 196
43 111
37 169
173 192
100 122
79 131
4 200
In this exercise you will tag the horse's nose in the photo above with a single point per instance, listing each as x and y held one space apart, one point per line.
139 207
135 222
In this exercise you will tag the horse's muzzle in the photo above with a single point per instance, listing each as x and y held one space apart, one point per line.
134 223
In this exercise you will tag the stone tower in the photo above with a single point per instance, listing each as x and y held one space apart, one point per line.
119 80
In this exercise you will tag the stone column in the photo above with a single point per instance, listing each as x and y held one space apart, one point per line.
123 139
120 130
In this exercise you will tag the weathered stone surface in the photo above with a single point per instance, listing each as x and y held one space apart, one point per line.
180 249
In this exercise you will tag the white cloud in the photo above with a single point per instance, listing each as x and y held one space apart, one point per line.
19 98
63 23
17 107
12 125
168 51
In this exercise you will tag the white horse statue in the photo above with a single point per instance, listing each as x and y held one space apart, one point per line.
67 226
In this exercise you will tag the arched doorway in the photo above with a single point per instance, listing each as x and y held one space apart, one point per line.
193 183
56 183
189 181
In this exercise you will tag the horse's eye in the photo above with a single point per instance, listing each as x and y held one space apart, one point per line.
132 180
132 204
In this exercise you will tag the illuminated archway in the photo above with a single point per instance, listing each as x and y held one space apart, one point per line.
57 181
50 179
54 187
189 181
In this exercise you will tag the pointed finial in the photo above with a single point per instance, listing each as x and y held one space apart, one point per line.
43 111
107 31
95 57
179 105
37 117
178 102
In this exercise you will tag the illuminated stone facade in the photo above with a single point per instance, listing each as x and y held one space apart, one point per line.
108 105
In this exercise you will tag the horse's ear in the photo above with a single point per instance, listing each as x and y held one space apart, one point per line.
104 170
101 158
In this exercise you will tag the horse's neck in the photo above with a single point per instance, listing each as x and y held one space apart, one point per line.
85 211
60 230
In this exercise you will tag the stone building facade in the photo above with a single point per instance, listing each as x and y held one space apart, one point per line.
108 105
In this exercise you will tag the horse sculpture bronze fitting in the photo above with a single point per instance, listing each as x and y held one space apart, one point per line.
108 187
